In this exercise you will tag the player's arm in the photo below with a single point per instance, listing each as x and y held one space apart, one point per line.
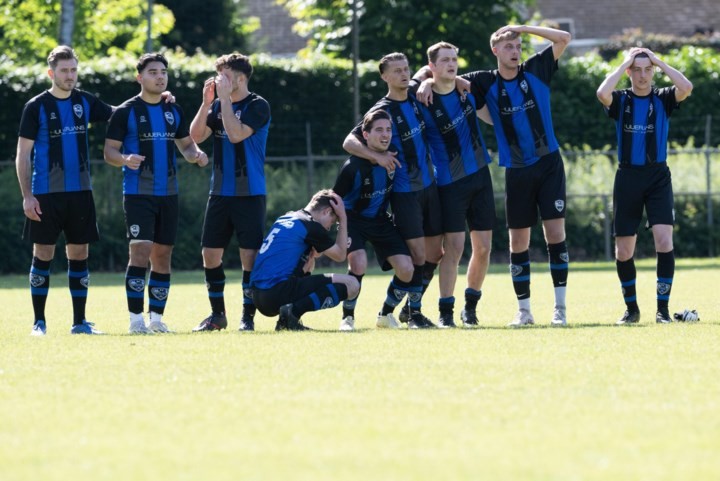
560 39
338 251
23 166
199 130
484 115
606 88
356 147
114 156
191 151
683 87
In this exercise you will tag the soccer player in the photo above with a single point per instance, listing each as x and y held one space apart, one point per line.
414 199
237 188
281 280
365 189
642 119
54 173
141 138
517 95
464 184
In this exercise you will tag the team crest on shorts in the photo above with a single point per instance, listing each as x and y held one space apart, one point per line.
663 288
137 285
77 108
170 118
160 293
134 230
559 205
36 280
515 270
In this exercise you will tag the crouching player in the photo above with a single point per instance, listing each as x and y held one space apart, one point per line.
365 189
281 280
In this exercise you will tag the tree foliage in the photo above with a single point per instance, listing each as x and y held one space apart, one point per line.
29 28
415 25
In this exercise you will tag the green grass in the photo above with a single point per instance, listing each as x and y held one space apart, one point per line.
589 402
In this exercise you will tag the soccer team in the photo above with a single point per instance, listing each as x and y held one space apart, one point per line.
419 150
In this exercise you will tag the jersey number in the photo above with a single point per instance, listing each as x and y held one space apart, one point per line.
268 240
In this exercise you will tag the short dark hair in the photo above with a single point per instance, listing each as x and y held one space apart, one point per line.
373 116
61 52
147 58
432 52
236 62
321 200
391 57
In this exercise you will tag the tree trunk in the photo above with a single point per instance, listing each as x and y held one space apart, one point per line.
67 22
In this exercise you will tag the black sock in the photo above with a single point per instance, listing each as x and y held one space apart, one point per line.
559 260
39 286
415 289
329 295
446 305
627 275
158 291
135 288
665 274
248 305
520 271
215 283
472 297
78 282
348 305
397 289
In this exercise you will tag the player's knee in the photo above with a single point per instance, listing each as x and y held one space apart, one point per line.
353 287
404 268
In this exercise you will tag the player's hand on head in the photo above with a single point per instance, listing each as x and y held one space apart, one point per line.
223 87
209 90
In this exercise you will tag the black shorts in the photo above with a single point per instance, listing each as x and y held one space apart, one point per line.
381 233
151 218
538 186
417 214
470 200
636 188
243 216
72 213
269 301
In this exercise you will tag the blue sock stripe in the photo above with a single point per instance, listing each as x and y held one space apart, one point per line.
521 264
80 274
630 299
217 283
37 291
350 304
134 295
447 300
559 267
315 300
666 280
155 283
40 272
628 283
216 294
521 278
156 303
472 291
663 298
334 294
75 293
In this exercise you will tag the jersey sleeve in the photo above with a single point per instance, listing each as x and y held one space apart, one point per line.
480 82
99 110
667 95
182 130
29 122
543 64
318 237
117 126
613 111
343 183
257 114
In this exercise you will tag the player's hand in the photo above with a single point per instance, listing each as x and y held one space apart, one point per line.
223 87
31 207
309 265
462 86
133 161
168 97
209 90
424 93
200 158
511 28
388 161
338 206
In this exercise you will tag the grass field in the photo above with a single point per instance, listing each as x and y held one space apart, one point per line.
588 402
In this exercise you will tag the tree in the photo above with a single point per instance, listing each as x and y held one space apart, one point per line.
407 26
29 28
67 22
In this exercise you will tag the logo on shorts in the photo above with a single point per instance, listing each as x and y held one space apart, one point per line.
524 86
663 288
170 118
327 303
559 205
134 230
159 293
137 285
349 241
515 270
36 280
565 257
391 175
77 108
85 281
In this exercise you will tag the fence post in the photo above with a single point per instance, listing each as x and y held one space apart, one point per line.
310 162
708 181
606 227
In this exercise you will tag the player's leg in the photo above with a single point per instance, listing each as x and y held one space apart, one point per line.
159 285
660 211
357 265
248 220
314 293
140 212
453 246
477 270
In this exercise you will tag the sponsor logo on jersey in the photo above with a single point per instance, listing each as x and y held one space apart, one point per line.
159 293
559 205
77 108
134 230
170 118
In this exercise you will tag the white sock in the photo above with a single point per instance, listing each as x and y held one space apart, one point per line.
155 317
136 318
560 296
524 304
